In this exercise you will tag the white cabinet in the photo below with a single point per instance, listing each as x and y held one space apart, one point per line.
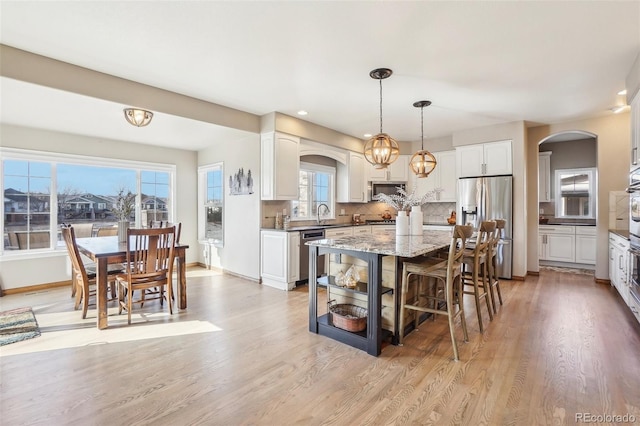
635 132
569 244
351 185
493 158
340 232
557 243
280 259
586 245
381 229
361 229
398 171
280 166
619 265
443 176
544 176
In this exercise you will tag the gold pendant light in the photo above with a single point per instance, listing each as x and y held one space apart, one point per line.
381 150
422 162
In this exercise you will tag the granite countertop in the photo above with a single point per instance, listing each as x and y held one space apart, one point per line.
343 225
386 243
624 233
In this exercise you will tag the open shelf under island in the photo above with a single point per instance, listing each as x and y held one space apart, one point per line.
368 252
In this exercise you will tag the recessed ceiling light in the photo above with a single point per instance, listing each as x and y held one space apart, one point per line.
622 92
302 112
367 135
618 109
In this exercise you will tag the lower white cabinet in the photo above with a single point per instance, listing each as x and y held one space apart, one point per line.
344 231
280 259
361 229
619 265
586 245
557 243
569 244
378 229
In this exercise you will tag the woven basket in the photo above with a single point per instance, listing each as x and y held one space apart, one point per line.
348 317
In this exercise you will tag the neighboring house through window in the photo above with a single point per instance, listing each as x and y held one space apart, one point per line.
316 187
211 196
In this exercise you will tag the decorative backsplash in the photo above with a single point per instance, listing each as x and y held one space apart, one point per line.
432 212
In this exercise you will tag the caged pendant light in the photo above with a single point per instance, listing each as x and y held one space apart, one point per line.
381 150
422 162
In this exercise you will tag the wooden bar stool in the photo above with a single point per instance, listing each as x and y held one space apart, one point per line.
448 290
494 280
475 270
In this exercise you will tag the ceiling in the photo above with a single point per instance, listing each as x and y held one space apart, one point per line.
480 63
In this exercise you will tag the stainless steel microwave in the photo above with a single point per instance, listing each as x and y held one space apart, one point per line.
388 188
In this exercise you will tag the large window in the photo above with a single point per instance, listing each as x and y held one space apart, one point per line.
42 191
316 188
211 197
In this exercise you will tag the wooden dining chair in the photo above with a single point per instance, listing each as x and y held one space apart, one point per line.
494 280
475 271
150 256
82 278
107 231
447 292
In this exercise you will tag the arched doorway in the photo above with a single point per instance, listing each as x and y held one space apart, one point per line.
567 194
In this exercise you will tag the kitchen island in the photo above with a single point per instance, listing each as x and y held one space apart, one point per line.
370 248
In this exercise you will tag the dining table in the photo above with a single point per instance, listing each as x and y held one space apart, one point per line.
108 250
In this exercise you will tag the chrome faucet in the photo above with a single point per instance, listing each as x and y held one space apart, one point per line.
326 207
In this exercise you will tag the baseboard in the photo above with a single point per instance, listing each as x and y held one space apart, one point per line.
35 288
602 281
533 273
224 271
517 278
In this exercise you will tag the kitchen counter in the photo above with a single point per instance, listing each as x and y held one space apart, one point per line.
388 244
624 233
343 225
370 248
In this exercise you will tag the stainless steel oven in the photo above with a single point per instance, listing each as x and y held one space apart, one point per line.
634 275
634 202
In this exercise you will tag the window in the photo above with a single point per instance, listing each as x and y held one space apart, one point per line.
316 187
575 193
211 197
44 190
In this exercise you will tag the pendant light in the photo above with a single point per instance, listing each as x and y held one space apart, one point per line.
138 117
422 162
381 150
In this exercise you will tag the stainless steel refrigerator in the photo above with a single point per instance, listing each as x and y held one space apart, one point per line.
487 198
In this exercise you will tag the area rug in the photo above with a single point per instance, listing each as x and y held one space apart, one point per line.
16 325
567 270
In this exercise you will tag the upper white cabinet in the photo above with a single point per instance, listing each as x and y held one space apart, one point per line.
493 158
443 176
351 184
398 171
544 176
280 163
635 132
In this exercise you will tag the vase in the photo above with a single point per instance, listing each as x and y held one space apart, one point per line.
415 220
122 231
402 223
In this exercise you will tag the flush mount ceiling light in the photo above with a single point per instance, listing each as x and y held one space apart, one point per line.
422 162
619 109
138 117
381 150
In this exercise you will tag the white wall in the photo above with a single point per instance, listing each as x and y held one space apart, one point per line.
28 270
241 252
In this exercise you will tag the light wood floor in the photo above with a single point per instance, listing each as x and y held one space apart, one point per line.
242 354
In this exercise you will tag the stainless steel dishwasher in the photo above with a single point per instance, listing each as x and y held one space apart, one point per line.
306 236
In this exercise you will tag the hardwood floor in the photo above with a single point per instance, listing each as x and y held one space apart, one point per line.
242 354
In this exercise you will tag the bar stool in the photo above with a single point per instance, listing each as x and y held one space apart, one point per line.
475 270
494 281
448 288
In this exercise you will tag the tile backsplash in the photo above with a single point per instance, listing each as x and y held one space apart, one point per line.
432 212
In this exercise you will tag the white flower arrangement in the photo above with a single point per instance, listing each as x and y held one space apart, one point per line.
403 201
124 205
